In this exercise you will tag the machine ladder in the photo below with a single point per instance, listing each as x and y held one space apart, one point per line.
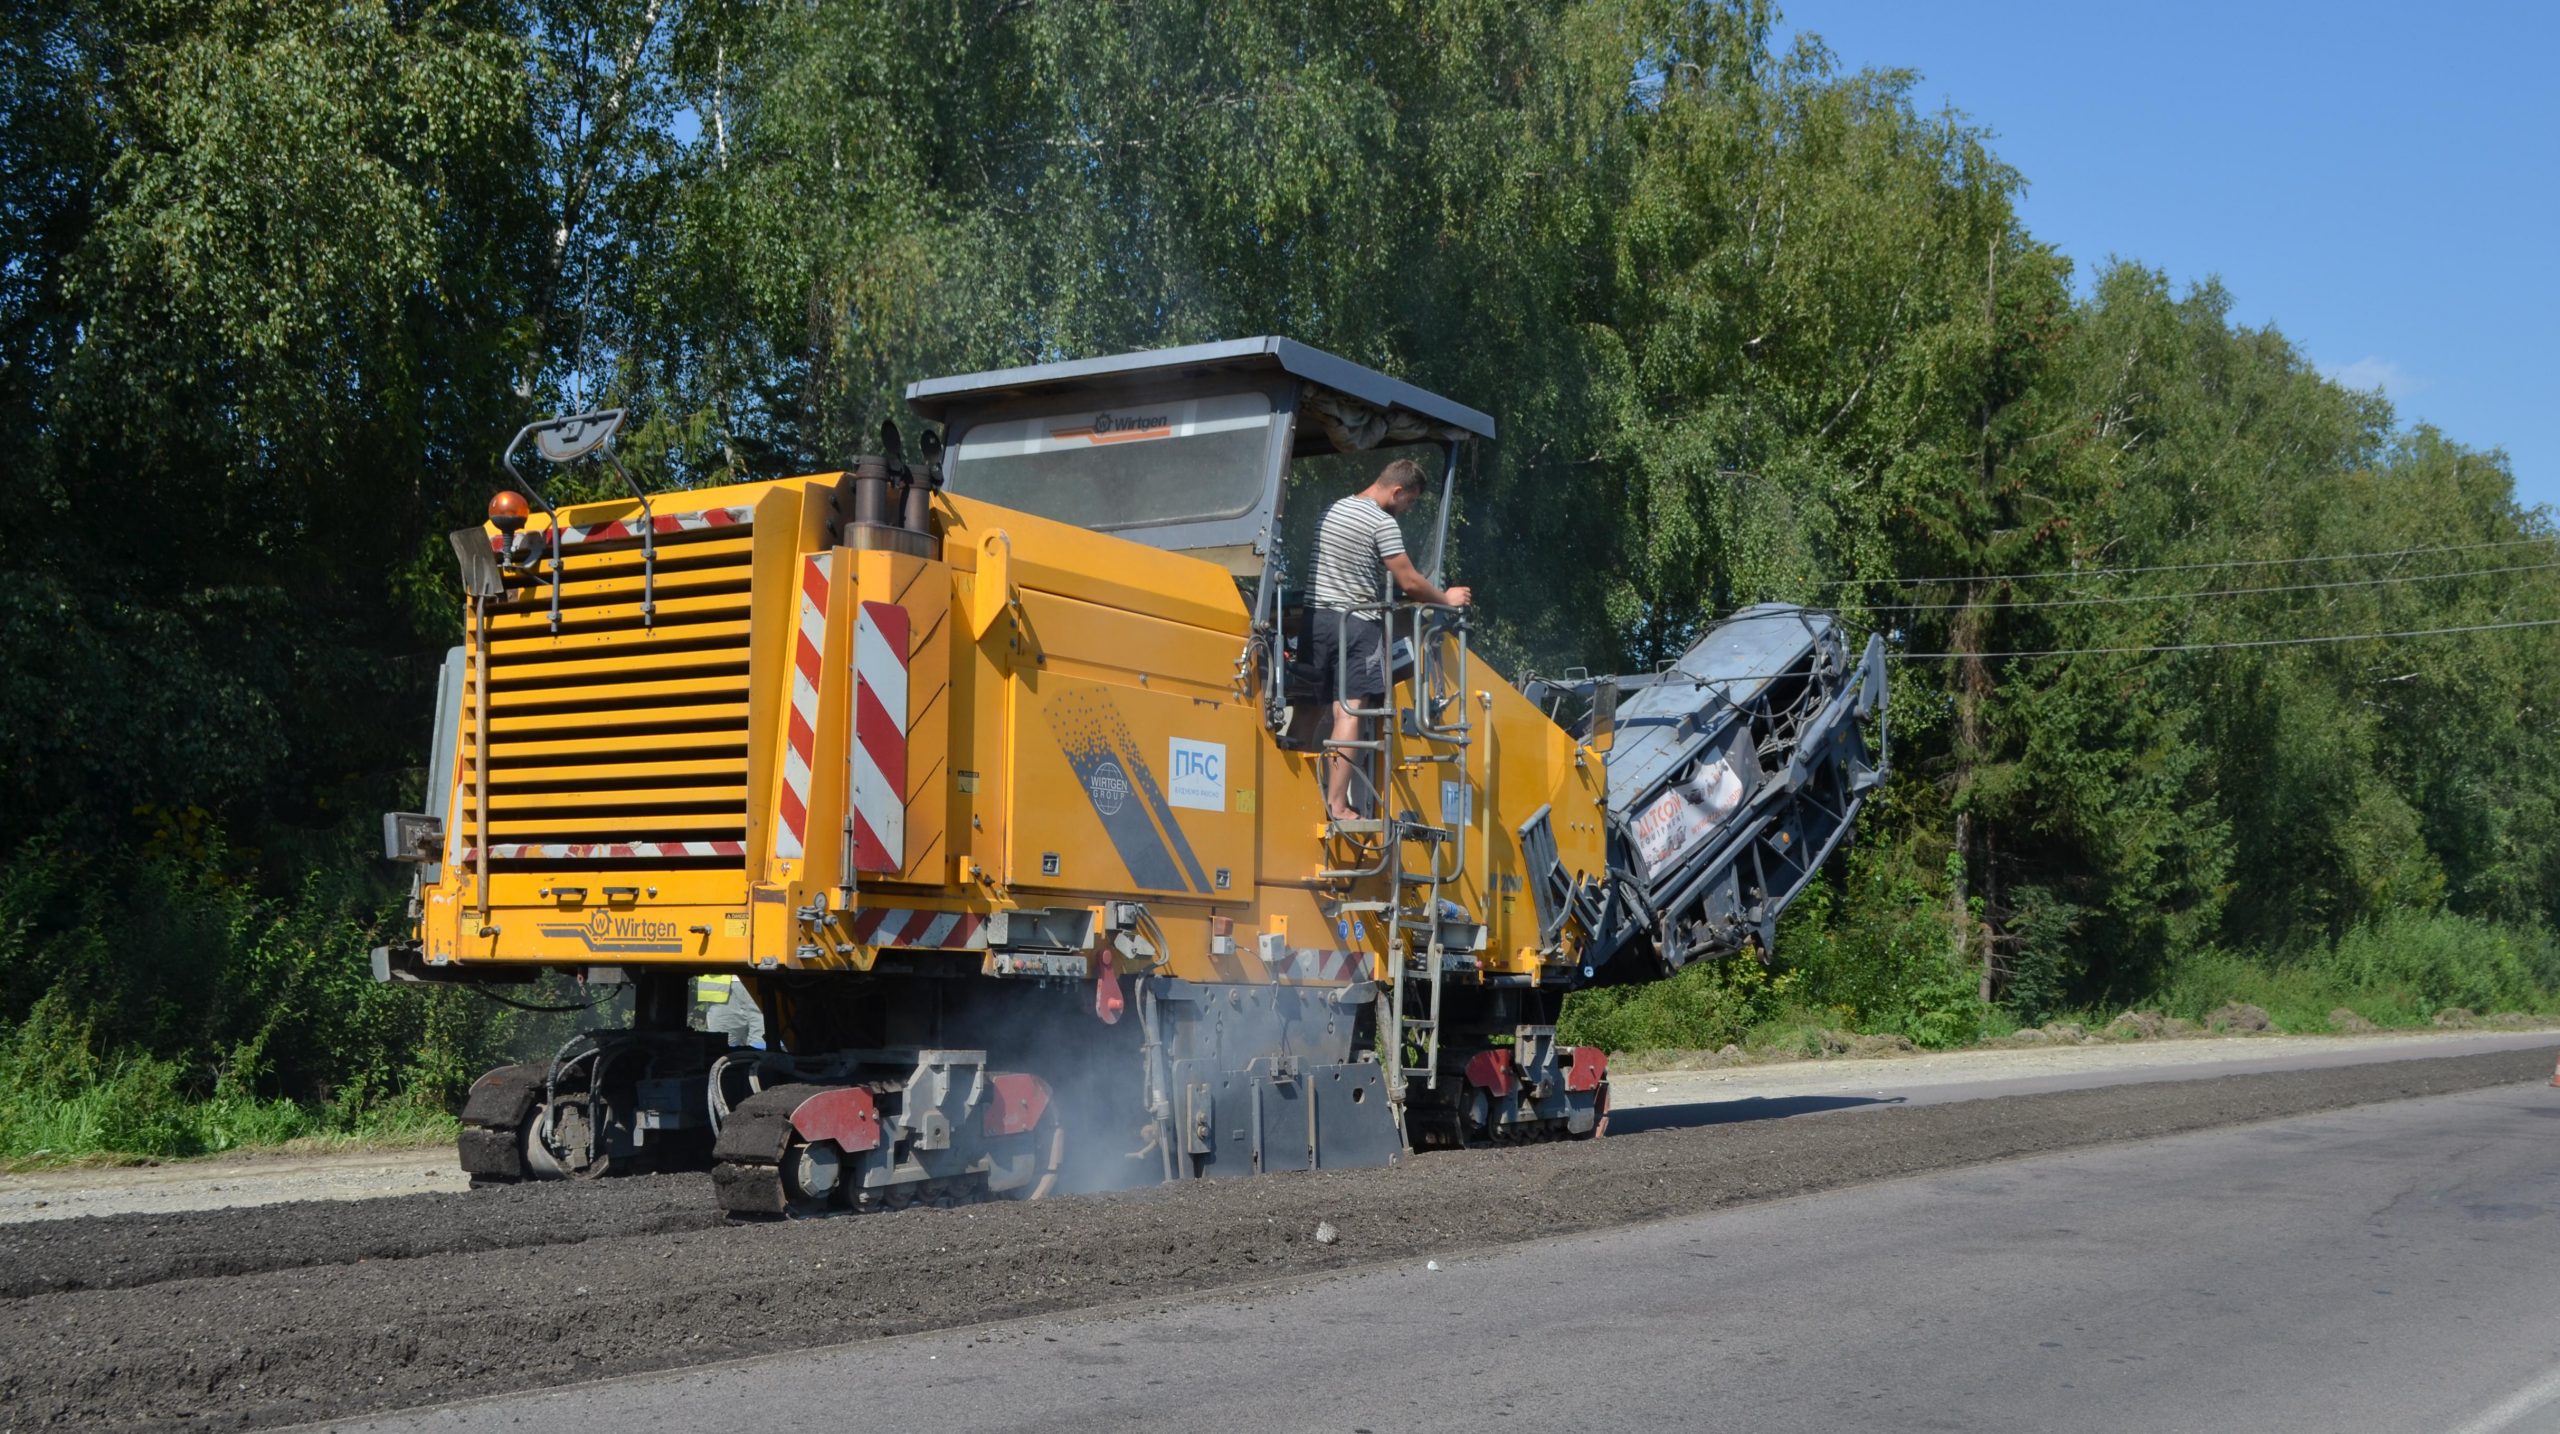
1411 894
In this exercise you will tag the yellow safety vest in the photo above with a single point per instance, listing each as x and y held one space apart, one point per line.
713 990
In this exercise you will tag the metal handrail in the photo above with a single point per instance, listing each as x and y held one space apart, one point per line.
1339 749
1460 735
478 617
1400 910
1423 656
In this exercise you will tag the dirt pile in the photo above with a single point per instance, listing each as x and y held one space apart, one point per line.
2238 1018
424 1299
2051 1033
2136 1026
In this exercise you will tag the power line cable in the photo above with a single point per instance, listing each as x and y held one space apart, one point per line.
2211 593
2226 646
1674 677
2178 567
2122 599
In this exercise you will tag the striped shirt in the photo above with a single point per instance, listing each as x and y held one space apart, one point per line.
1352 548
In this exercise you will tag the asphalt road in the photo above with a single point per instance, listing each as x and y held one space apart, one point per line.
1675 1100
2388 1267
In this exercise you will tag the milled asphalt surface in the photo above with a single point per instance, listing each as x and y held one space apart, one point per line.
331 1309
1666 1099
228 1182
2390 1267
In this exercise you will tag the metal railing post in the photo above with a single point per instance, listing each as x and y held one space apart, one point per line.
479 616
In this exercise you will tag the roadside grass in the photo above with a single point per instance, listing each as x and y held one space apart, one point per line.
102 1125
2403 971
2412 971
143 1109
155 1004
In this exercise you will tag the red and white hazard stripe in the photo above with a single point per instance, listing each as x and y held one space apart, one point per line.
880 737
808 664
661 524
914 926
603 851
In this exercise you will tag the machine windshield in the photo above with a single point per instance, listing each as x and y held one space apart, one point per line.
1143 464
1317 481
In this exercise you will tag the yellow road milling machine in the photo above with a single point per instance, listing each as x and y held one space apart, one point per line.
993 777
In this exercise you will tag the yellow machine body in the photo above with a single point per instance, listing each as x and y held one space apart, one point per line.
1078 725
954 764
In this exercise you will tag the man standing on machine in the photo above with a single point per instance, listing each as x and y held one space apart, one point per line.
1358 548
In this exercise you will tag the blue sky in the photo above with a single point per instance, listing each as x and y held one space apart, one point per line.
2379 181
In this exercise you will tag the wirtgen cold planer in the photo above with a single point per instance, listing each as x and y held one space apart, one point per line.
985 770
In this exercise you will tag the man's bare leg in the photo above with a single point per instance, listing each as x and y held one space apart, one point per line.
1337 777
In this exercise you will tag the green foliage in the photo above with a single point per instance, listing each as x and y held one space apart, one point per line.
1871 955
1889 978
282 278
1707 1005
1875 954
2041 960
157 1006
137 1106
2428 962
2399 970
58 1101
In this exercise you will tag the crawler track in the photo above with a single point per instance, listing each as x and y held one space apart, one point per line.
291 1313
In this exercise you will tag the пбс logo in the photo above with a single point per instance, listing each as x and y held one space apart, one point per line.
1109 786
1199 775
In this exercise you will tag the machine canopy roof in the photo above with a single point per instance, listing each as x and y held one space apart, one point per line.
1187 448
1378 410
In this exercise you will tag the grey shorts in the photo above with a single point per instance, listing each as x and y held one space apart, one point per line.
1349 649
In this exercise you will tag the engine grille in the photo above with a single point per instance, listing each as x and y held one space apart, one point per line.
618 740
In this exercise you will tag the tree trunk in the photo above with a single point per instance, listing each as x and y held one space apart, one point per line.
1975 678
1959 914
1973 684
1993 905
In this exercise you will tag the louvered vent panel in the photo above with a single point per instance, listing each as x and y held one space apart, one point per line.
617 741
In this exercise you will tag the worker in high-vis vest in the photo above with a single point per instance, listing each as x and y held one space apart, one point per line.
730 1010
